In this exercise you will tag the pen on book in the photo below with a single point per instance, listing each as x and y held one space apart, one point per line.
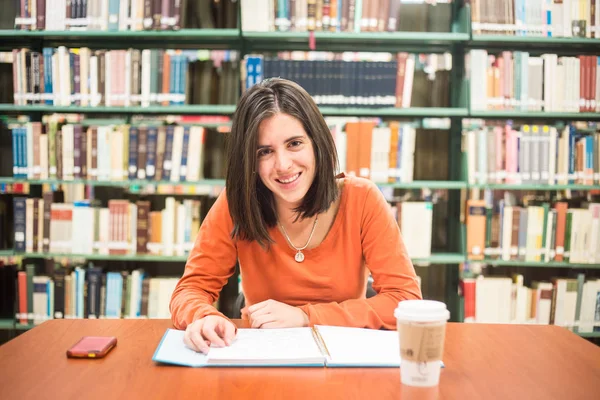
320 342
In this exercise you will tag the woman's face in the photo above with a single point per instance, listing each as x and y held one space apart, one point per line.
286 159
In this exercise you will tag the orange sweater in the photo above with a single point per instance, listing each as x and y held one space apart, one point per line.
329 286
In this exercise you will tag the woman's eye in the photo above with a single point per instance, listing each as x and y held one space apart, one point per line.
295 143
263 152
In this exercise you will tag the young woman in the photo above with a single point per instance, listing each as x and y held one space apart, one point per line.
305 238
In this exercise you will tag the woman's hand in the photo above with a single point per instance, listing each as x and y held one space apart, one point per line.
210 330
273 314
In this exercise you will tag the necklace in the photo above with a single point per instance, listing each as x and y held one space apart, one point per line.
299 257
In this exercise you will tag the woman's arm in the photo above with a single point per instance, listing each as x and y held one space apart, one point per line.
392 270
209 266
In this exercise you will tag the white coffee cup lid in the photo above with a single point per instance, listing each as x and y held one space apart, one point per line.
421 311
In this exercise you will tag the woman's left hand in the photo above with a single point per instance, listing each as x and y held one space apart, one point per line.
273 314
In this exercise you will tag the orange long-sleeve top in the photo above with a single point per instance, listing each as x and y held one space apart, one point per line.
329 286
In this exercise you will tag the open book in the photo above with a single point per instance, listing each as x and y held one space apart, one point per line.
330 346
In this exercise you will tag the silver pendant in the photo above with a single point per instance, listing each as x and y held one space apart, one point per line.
299 257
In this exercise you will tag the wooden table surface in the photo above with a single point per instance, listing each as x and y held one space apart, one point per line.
482 362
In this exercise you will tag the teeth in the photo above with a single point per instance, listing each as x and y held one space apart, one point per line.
292 179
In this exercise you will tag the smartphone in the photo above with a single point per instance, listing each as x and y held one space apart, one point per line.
92 347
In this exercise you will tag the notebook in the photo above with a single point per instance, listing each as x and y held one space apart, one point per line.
330 346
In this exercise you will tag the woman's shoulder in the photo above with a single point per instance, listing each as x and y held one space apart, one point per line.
357 186
359 193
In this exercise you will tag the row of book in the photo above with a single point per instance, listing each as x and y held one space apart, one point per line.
381 152
65 151
359 79
503 299
533 230
540 154
80 76
43 225
123 15
84 292
561 18
519 81
346 15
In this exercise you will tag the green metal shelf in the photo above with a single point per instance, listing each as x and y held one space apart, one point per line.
7 323
132 183
588 334
509 114
421 112
441 258
538 264
184 38
349 41
6 253
516 186
185 109
127 257
536 44
424 185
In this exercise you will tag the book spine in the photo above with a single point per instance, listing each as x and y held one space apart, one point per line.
20 216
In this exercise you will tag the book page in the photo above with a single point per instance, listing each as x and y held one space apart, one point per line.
288 346
360 347
172 350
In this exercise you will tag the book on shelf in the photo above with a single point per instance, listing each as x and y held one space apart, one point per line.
79 291
504 299
42 225
346 16
121 78
415 219
520 81
536 18
533 154
57 149
400 80
331 346
536 230
124 15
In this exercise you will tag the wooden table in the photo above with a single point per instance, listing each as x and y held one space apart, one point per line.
482 362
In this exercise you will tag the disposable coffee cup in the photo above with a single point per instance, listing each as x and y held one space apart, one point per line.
421 331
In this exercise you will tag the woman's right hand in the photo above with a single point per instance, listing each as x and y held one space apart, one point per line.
207 331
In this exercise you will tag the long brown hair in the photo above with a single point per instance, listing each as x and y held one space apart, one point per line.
251 204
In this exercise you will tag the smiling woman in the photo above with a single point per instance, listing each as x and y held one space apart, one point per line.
306 239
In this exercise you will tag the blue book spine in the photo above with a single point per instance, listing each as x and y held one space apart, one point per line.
138 312
573 136
168 162
184 66
133 153
259 69
173 78
23 152
151 152
48 89
113 15
19 210
15 151
249 72
589 158
184 152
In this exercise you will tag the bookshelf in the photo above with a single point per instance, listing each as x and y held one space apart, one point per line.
172 109
184 38
457 42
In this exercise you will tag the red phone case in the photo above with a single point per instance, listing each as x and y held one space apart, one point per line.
92 347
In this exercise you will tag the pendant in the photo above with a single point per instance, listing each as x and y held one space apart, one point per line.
299 257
